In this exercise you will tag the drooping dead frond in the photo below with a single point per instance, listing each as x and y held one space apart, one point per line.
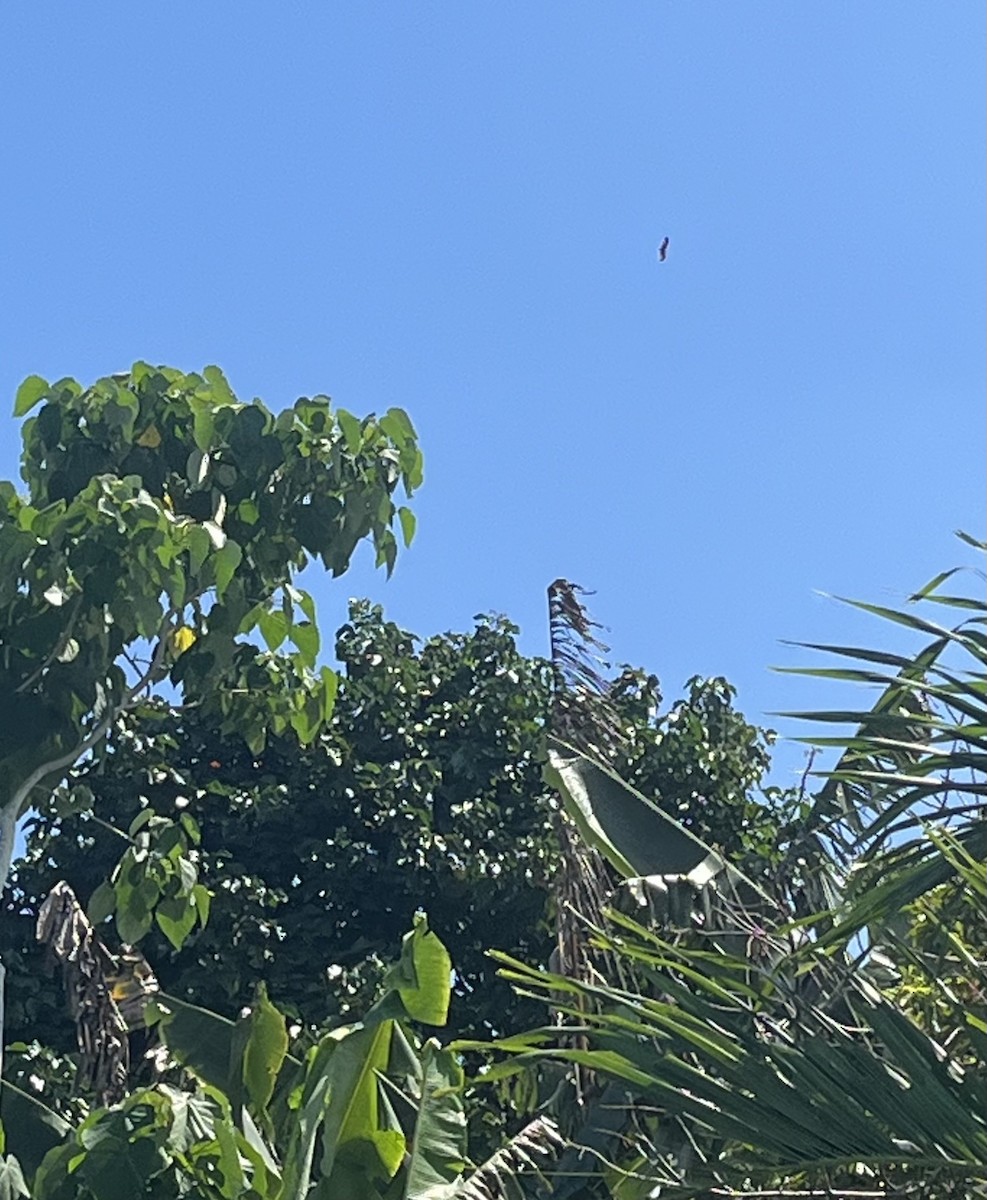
106 995
582 713
583 717
102 1035
527 1155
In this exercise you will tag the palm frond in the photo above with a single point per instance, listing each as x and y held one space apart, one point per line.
914 765
770 1084
517 1170
582 712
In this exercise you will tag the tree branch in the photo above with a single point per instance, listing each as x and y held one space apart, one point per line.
11 812
57 649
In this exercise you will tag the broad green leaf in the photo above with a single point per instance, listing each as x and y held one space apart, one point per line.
631 831
101 903
144 817
201 897
33 389
133 918
305 635
387 551
199 547
397 425
315 1095
305 602
407 519
414 471
178 921
352 430
221 392
203 426
274 627
248 512
423 975
198 1038
438 1145
226 560
306 719
330 686
352 1124
229 1164
122 413
265 1051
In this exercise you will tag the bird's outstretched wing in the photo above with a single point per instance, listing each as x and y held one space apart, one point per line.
663 250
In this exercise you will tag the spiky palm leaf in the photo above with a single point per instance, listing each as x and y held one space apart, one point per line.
775 1091
793 1072
916 760
583 716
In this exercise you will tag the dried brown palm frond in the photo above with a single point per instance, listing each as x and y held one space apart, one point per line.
106 995
584 719
528 1154
583 715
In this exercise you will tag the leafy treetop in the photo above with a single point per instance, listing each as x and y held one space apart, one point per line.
163 521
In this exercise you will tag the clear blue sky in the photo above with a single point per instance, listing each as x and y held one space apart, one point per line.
455 208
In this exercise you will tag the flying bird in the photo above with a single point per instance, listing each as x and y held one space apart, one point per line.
663 251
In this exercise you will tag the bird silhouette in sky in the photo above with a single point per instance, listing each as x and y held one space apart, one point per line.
663 251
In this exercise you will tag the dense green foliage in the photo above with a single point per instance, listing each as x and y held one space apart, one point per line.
164 520
425 791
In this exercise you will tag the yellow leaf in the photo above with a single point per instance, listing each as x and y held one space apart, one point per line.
151 438
181 639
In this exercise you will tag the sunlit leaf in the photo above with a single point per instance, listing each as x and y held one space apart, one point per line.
30 392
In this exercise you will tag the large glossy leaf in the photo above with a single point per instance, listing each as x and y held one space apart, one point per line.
438 1147
633 833
264 1053
216 1050
354 1129
423 975
199 1039
30 392
310 1108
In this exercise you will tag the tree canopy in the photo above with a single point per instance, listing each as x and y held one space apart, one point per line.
163 521
424 791
749 992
